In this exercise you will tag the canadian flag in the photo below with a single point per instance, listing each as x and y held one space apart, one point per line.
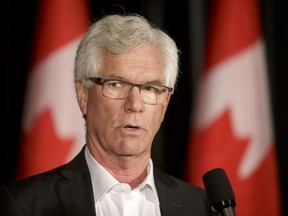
53 128
231 126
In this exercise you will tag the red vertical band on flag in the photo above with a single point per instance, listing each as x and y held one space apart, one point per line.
59 22
233 27
53 127
232 128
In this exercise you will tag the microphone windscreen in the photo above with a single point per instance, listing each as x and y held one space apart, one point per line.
217 186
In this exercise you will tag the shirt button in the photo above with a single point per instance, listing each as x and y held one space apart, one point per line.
123 187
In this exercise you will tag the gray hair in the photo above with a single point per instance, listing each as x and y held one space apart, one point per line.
119 34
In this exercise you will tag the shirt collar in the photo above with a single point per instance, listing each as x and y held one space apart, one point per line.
103 181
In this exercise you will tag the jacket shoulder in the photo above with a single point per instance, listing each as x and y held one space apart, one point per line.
180 197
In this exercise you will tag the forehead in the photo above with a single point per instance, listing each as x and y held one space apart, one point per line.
143 63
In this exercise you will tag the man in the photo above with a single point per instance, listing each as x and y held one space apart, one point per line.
125 73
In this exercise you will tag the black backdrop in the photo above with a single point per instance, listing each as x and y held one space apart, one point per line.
185 21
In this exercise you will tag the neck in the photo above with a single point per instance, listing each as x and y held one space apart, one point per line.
126 169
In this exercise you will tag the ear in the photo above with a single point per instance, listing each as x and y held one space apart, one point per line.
82 96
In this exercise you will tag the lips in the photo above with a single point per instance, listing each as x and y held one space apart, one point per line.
131 127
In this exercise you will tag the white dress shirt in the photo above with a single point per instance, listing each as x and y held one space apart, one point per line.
117 199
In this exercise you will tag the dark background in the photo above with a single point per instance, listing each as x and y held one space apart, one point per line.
186 22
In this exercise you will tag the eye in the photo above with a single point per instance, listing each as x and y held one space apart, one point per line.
153 88
114 84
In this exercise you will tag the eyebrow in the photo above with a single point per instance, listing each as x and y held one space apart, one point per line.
151 82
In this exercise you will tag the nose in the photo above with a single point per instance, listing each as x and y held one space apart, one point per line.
134 101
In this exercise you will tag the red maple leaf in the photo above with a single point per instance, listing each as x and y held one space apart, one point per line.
41 148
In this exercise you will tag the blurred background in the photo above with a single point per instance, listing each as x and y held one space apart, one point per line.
185 21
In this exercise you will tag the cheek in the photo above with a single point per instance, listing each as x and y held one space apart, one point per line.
100 110
94 107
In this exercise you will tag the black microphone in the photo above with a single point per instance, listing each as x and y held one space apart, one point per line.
219 192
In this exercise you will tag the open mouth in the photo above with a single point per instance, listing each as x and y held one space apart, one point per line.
131 127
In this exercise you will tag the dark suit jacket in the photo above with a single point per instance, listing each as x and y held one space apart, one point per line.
67 190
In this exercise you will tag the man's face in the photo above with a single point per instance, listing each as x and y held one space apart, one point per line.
124 127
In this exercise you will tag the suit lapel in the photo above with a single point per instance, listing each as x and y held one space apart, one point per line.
75 192
171 202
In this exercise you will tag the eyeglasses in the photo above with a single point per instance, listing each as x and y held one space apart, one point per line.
119 89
